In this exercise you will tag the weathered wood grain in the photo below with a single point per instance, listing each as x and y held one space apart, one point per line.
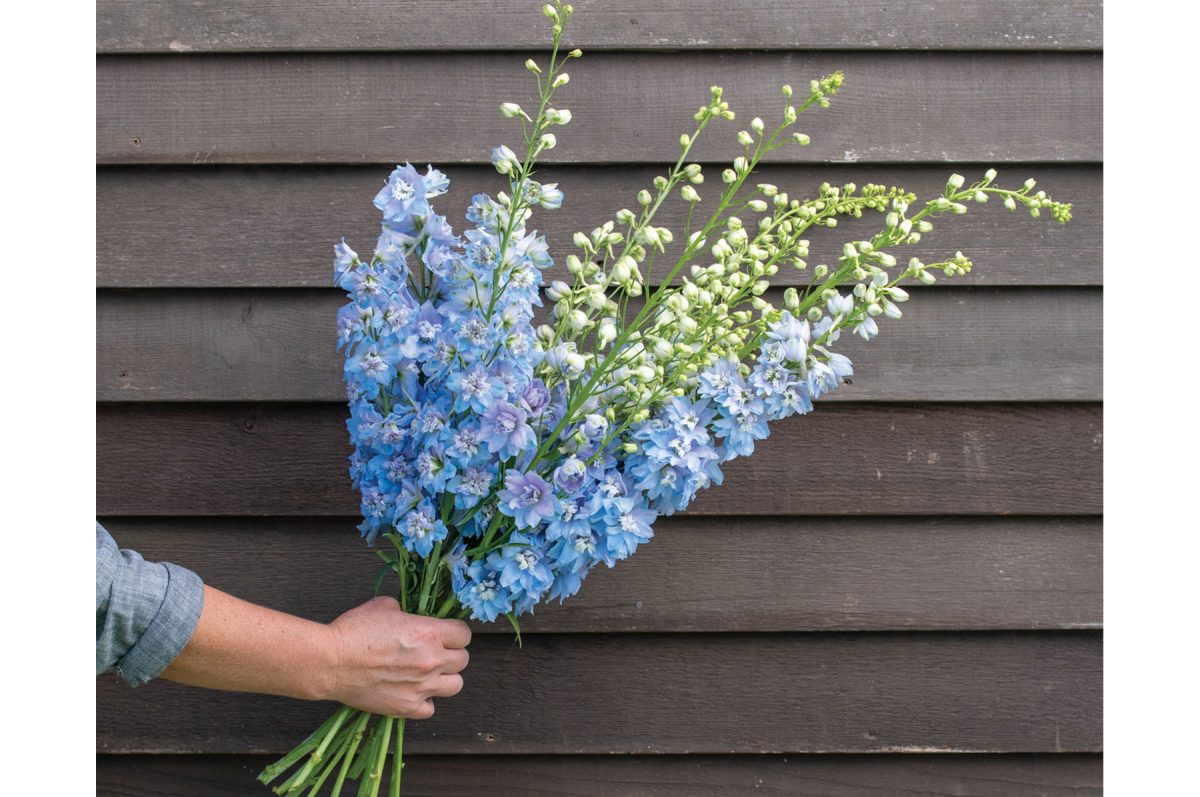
275 226
703 574
1062 775
124 26
965 345
361 107
702 693
273 459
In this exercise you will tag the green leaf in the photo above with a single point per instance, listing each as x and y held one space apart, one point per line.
380 576
512 618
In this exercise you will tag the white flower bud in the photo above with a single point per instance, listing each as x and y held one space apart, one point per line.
622 269
955 182
744 138
791 299
558 291
582 241
757 205
532 66
802 139
574 264
1010 203
644 197
1030 183
577 320
561 79
509 109
548 141
607 332
989 175
689 194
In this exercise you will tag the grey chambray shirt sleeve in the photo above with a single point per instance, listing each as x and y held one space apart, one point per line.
145 611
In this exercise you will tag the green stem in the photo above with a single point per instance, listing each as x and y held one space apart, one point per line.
359 729
376 776
297 783
276 769
398 761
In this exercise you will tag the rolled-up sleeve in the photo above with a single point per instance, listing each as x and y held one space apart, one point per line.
145 611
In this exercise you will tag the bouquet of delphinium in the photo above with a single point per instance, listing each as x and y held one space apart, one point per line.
500 459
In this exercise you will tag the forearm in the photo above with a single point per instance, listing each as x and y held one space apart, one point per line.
242 647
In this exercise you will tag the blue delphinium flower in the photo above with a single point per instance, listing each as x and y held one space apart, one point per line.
403 195
505 430
526 498
421 529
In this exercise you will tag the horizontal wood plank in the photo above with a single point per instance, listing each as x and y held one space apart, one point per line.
1064 775
124 26
275 459
368 108
702 693
972 345
703 574
275 226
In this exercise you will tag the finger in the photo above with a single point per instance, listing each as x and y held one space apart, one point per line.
455 633
423 711
446 686
456 661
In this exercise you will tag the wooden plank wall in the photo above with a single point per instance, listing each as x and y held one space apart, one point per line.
900 593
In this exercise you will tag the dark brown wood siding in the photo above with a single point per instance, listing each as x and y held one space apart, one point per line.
900 593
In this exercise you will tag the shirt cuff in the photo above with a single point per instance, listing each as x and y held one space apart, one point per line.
172 627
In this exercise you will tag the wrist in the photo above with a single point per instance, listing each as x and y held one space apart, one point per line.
321 683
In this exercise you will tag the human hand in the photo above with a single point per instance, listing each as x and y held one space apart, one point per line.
393 663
